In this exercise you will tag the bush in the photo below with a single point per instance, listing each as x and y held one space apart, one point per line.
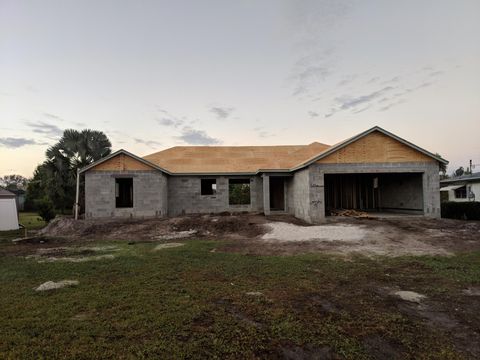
461 210
45 208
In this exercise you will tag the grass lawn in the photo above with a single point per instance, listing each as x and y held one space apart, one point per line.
190 302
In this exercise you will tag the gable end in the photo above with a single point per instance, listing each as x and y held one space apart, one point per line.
376 147
121 162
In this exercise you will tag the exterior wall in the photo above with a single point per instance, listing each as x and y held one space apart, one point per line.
156 194
298 195
313 185
149 194
184 195
401 192
474 187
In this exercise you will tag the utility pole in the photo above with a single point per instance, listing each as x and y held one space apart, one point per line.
471 171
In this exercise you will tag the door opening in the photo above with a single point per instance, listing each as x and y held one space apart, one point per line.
277 193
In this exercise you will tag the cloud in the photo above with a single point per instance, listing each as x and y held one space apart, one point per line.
348 102
261 132
347 80
395 79
197 137
222 113
388 106
424 85
149 143
49 130
166 122
13 143
313 114
53 116
169 120
306 77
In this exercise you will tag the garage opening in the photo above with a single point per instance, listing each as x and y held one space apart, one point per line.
391 192
277 193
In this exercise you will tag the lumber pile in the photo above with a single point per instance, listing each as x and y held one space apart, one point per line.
351 213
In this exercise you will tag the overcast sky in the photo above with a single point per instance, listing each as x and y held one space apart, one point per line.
154 74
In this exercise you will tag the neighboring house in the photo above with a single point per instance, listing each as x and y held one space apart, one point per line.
375 170
8 211
462 188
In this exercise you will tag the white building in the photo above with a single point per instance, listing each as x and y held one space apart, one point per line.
461 189
8 211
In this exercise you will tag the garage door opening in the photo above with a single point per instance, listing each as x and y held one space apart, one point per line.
392 192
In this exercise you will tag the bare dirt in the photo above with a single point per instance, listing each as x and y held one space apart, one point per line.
280 234
391 236
157 228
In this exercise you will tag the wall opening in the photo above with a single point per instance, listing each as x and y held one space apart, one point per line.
277 193
461 192
389 192
124 192
239 191
208 186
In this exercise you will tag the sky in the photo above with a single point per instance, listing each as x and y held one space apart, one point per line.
156 74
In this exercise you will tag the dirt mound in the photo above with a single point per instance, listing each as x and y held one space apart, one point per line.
58 226
242 225
220 225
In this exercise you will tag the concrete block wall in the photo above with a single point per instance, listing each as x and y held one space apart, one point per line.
184 195
149 194
431 191
298 195
401 192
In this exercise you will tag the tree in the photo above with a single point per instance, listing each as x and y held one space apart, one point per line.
56 177
442 166
13 182
459 172
78 149
36 188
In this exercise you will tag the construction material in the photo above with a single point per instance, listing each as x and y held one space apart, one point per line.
51 285
351 213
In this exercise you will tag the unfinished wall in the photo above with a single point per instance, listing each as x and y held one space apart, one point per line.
401 192
184 196
298 195
149 194
122 162
376 148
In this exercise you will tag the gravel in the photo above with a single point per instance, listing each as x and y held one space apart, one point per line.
281 231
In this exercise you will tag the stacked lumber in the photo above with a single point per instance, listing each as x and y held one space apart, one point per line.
351 213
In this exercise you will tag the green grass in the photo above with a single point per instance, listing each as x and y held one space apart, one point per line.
30 220
188 302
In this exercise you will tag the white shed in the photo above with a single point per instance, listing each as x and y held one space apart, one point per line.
8 211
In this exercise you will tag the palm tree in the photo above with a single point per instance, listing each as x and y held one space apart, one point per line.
75 150
80 149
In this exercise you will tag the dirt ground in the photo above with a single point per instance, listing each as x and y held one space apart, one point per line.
445 290
281 234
